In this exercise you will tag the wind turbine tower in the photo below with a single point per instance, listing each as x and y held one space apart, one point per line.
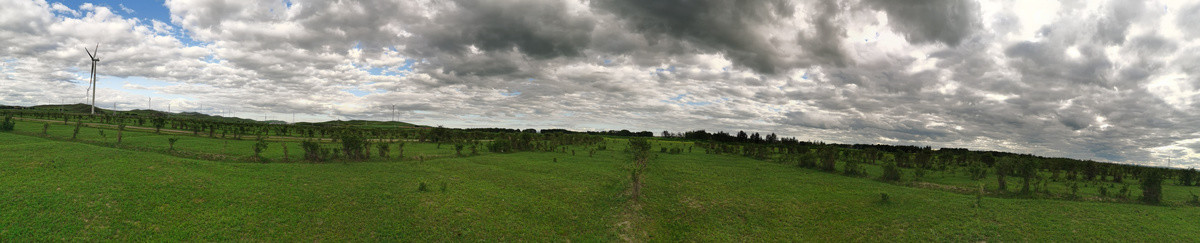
92 54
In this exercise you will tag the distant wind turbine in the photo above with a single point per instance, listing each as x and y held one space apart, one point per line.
95 60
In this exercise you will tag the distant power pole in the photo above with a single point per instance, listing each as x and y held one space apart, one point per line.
148 104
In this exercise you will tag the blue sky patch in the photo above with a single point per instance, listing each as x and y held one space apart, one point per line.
357 92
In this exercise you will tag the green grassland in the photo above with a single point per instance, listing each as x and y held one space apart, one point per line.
53 188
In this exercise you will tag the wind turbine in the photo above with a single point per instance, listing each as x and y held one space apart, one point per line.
95 60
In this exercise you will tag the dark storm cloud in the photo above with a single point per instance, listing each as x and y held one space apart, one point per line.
1111 80
482 66
728 27
922 21
1113 27
1047 62
824 43
813 120
540 29
1076 119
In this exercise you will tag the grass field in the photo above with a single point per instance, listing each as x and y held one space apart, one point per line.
82 192
54 189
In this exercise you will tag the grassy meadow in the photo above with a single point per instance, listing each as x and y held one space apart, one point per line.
53 188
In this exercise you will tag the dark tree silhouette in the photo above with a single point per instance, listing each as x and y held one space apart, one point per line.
1151 185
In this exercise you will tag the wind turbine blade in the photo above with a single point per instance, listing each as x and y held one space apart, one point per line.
89 53
97 49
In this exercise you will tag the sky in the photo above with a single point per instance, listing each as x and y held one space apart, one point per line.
1101 80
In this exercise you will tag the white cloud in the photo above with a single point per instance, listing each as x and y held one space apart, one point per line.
1107 80
126 9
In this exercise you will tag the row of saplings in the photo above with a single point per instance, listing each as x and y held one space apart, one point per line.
238 129
826 158
355 147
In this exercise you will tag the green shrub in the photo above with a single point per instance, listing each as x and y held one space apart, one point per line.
384 149
640 149
852 167
1187 177
500 146
312 151
890 172
1027 169
979 197
1125 193
354 146
158 122
1152 186
809 160
285 151
828 158
76 132
120 133
9 123
422 187
171 142
259 147
1004 167
977 171
400 150
46 128
1074 186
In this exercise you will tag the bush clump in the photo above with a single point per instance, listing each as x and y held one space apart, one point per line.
76 132
354 147
384 149
312 151
9 124
890 172
259 147
1152 186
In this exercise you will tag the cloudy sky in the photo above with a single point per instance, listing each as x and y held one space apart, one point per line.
1104 80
